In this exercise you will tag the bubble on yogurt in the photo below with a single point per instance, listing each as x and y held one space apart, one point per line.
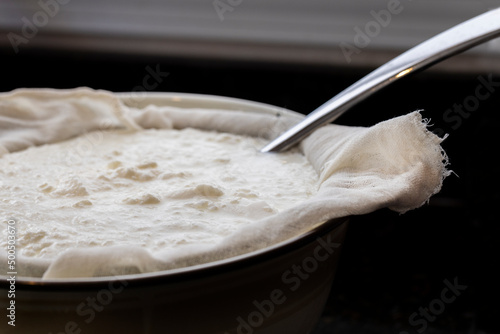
147 165
82 204
132 173
114 164
170 175
71 187
45 187
204 190
142 199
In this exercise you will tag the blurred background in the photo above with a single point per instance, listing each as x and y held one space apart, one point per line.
298 54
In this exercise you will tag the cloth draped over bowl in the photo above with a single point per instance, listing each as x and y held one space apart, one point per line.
397 164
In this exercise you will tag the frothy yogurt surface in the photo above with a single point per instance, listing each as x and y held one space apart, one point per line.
153 188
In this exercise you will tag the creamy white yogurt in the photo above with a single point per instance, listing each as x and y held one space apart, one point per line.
154 188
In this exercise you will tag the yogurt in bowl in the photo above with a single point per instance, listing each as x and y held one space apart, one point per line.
155 189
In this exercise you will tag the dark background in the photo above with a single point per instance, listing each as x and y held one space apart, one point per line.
392 265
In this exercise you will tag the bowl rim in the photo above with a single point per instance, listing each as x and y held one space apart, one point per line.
174 98
195 271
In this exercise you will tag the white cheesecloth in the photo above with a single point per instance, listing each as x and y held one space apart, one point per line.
397 164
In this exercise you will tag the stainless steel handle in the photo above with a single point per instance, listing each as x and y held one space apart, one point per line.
446 44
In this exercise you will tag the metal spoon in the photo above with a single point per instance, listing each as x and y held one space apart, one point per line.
446 44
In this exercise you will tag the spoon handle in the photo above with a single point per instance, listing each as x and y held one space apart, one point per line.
446 44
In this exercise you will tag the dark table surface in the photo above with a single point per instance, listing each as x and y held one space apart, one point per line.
394 268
